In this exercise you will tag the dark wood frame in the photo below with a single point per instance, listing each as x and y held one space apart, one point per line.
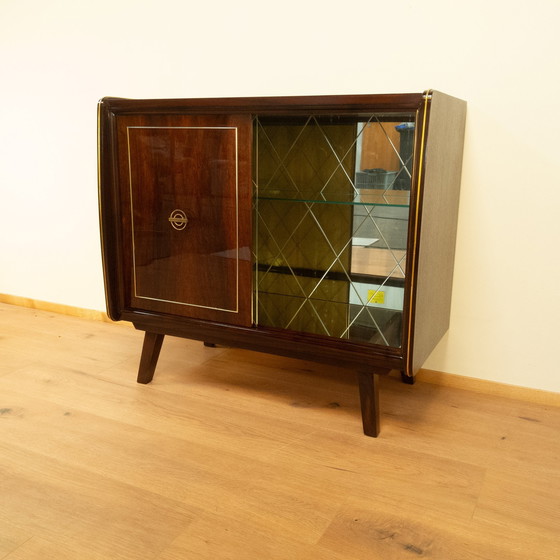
431 238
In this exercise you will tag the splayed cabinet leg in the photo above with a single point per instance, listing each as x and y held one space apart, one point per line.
150 355
369 401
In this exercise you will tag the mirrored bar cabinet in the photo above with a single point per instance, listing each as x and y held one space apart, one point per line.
320 228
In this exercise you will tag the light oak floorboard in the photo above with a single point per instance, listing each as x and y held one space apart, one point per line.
230 454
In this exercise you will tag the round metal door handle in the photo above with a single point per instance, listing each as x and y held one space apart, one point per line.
178 219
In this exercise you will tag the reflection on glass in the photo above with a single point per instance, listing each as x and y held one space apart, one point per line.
331 215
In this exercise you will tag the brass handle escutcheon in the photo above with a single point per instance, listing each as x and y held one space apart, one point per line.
178 220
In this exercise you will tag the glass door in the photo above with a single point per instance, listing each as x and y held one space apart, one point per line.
331 223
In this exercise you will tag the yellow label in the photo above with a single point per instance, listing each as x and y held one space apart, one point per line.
375 296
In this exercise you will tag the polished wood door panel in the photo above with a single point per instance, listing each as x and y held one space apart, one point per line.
186 185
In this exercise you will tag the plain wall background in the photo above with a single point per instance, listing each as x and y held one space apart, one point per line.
58 58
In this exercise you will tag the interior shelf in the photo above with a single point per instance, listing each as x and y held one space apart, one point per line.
361 197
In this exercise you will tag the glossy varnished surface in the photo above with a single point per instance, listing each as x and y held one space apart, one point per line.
235 454
187 213
185 194
298 159
319 104
200 285
118 262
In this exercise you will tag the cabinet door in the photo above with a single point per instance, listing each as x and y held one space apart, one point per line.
332 223
186 207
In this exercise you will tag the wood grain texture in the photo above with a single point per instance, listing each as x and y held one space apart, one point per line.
234 454
374 147
368 383
318 104
153 165
438 227
148 274
150 354
366 260
60 308
189 165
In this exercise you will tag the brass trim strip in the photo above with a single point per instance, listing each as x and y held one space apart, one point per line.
100 206
414 259
188 304
136 295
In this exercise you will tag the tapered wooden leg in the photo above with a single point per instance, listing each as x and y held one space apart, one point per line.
369 401
150 355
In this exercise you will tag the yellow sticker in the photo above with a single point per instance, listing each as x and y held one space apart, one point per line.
375 296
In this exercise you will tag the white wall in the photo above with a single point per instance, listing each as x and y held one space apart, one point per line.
57 58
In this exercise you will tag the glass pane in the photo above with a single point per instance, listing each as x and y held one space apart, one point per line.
331 224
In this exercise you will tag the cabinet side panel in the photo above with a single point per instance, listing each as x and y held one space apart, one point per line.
109 211
442 179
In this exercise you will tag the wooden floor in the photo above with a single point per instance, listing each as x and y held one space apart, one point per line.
235 455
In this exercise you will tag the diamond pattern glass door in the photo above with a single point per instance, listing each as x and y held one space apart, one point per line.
331 223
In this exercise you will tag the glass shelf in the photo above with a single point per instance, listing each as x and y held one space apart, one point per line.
361 197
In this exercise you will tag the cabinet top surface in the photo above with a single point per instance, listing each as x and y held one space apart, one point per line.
270 105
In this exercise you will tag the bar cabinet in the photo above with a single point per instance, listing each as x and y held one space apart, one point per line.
320 228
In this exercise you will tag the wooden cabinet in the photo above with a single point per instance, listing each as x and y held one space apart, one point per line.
320 228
